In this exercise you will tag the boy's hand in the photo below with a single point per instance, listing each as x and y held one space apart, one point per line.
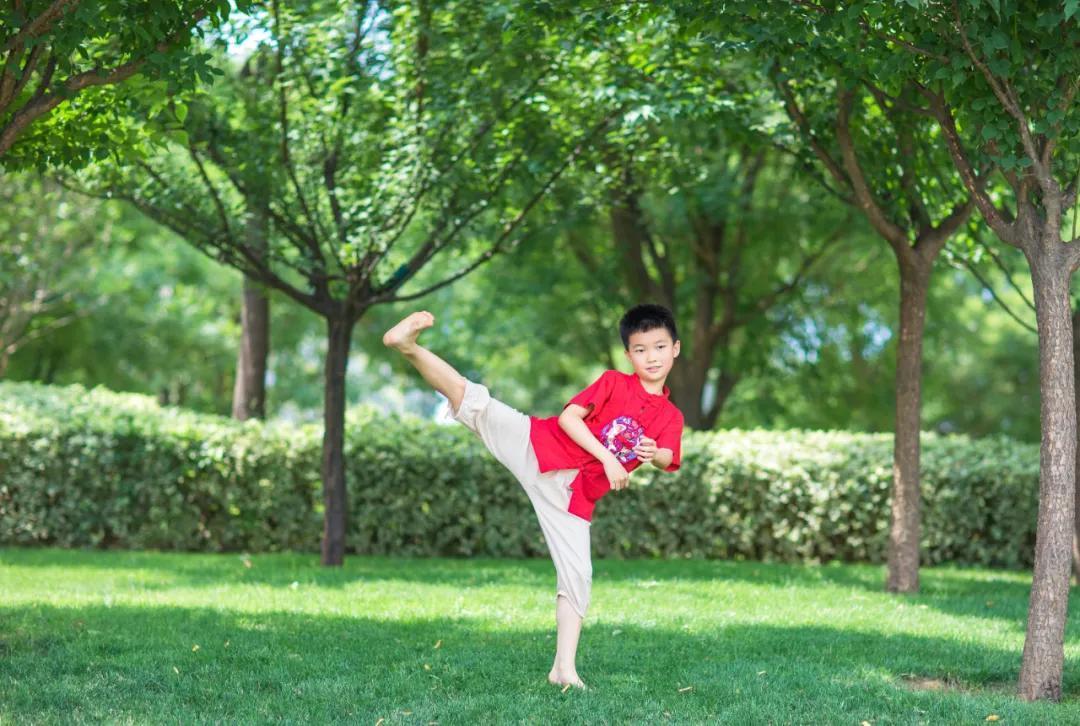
616 474
645 449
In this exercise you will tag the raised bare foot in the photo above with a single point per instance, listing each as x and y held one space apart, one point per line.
403 335
562 678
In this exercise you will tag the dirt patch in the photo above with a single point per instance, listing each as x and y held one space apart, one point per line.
915 682
922 683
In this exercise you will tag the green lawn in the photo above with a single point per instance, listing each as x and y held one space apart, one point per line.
145 637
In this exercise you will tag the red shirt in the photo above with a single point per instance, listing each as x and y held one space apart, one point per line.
621 411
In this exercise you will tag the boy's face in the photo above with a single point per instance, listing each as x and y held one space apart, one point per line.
652 353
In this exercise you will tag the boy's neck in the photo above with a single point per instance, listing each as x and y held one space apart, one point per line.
653 387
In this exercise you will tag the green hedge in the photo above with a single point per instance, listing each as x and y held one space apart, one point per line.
95 468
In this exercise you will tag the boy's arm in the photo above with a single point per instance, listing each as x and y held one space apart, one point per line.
662 458
648 453
572 421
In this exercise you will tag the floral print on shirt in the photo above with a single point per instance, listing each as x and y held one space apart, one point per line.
620 437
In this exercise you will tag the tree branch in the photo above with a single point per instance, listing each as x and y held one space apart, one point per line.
39 25
10 85
906 45
796 114
297 236
1009 100
1005 271
808 167
967 264
1003 227
43 103
508 228
286 157
893 234
932 240
223 216
765 303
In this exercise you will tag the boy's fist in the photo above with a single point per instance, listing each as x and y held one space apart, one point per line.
645 449
617 476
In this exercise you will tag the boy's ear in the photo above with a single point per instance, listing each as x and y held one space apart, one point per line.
675 349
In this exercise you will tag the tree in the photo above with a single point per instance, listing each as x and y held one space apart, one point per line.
971 67
46 240
383 146
249 391
56 51
144 312
717 231
873 151
685 203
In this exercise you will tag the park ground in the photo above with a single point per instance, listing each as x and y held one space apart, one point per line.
124 637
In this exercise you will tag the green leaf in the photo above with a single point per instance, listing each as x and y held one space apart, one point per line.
1000 67
178 135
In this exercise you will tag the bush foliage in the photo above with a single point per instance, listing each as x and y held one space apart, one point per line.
93 468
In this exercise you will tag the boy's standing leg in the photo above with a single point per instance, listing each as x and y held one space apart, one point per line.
568 630
447 381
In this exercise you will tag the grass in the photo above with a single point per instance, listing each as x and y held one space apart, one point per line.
121 637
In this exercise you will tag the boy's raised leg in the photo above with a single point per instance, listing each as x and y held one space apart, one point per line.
564 670
440 374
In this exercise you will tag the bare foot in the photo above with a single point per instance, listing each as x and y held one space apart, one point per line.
561 678
403 335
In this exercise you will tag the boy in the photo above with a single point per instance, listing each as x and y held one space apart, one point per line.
567 462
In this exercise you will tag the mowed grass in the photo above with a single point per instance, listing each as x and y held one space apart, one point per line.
118 637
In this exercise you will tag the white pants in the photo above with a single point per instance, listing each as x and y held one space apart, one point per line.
505 432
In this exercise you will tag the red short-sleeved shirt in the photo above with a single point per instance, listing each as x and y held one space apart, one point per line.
621 412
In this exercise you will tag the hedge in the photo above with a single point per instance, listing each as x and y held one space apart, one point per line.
92 468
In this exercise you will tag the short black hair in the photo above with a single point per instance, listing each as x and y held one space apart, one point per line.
646 317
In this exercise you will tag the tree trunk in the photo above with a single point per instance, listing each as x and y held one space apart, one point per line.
688 392
906 504
725 384
1076 478
339 333
249 393
687 385
1044 654
52 367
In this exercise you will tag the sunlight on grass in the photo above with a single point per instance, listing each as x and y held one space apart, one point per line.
118 636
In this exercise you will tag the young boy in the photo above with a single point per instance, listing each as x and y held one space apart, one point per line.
568 462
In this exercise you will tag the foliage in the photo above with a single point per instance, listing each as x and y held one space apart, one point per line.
90 468
74 74
137 311
48 239
381 144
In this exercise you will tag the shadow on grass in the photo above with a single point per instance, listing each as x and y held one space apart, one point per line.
987 594
157 664
200 569
184 569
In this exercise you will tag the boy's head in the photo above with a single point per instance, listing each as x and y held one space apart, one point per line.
651 341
